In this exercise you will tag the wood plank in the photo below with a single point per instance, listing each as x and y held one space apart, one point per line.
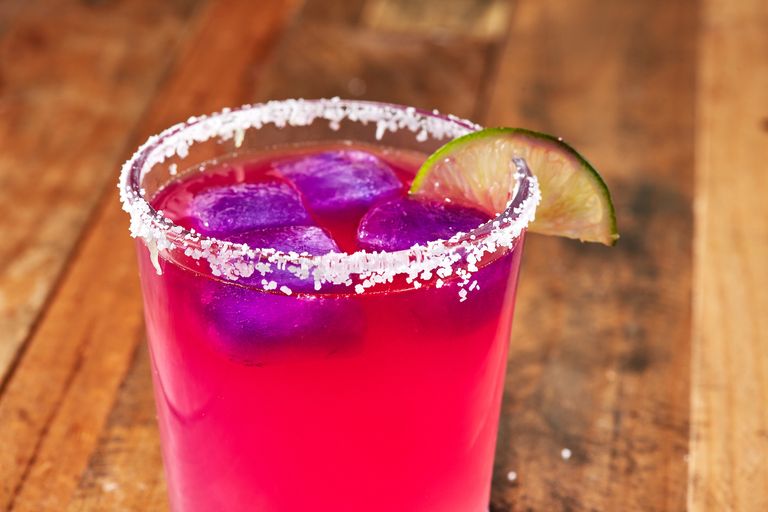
57 401
407 69
480 19
600 352
91 69
126 472
729 438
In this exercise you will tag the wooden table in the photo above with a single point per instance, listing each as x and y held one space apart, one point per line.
648 362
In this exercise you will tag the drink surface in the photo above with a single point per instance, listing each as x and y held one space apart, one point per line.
293 400
332 187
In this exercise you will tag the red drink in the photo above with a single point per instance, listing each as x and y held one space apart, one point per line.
276 396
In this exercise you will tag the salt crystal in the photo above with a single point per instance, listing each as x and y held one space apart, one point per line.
239 137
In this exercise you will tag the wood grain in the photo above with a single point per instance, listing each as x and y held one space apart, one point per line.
600 348
56 402
90 70
480 19
602 361
125 472
59 397
378 66
729 439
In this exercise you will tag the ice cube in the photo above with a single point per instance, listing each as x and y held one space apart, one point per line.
227 210
339 181
260 327
256 327
401 223
310 239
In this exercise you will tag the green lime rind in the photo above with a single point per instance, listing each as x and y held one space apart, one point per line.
476 169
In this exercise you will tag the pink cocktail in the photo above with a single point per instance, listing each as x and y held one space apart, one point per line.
319 339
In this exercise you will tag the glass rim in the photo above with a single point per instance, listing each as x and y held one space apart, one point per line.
433 261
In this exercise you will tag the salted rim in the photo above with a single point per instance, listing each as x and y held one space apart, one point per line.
432 261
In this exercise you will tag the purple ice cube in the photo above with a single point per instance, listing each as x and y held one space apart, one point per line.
257 327
223 211
401 223
309 239
338 181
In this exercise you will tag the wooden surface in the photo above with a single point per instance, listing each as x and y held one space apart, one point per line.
647 361
729 417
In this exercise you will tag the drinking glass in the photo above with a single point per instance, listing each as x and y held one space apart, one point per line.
378 391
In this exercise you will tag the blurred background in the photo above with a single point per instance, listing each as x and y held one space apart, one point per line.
637 374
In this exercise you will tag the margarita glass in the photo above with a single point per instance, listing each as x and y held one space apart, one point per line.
290 378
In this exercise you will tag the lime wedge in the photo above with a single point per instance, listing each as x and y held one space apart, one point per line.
477 170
